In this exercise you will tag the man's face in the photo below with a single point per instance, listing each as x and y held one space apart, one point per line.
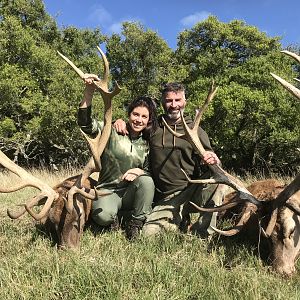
173 103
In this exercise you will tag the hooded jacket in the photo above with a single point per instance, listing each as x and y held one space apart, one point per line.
169 154
120 154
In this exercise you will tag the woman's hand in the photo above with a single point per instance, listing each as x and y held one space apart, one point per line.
89 81
89 89
132 174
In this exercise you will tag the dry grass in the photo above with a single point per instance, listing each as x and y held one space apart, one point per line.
107 266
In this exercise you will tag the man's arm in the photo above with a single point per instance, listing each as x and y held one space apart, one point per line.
209 157
120 127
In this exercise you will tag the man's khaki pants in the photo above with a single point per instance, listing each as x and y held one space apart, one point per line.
169 212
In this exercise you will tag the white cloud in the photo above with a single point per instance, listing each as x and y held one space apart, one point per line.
100 15
191 20
116 27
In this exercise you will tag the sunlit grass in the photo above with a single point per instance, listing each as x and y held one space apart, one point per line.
107 266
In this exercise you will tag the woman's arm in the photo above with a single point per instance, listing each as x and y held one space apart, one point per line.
89 90
84 117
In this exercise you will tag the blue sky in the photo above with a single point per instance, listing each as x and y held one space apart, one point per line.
168 18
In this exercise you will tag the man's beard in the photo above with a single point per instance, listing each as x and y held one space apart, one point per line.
174 115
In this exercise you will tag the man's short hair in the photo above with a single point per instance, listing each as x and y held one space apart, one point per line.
172 87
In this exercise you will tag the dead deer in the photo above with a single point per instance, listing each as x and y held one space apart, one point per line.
283 209
67 207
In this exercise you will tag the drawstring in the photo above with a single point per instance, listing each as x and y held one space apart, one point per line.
174 136
163 136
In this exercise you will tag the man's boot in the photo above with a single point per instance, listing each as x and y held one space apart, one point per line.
133 229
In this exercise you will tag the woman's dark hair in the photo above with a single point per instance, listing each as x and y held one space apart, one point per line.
150 104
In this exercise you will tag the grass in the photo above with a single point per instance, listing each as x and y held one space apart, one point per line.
107 266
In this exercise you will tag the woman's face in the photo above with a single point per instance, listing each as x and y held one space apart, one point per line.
138 119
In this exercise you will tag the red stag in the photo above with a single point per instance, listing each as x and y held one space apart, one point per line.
67 205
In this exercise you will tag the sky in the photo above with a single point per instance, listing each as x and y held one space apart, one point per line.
169 17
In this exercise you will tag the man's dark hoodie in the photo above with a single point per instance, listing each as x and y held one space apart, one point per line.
168 155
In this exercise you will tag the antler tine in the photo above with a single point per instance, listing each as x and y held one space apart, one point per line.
206 180
291 54
177 134
29 180
281 200
289 191
217 208
89 168
248 212
22 211
106 67
104 81
77 70
298 80
292 89
211 94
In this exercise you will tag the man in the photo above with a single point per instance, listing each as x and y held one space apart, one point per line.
168 155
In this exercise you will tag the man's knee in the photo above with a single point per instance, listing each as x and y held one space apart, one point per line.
219 194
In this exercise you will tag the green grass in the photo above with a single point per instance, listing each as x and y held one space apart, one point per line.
107 266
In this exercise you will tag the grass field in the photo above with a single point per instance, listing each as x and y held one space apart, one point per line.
107 266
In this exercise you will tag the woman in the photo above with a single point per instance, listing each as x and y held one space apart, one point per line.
124 174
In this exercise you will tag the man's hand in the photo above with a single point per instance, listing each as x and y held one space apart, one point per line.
120 127
132 174
210 158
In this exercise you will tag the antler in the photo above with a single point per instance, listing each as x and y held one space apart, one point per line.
28 180
97 144
295 184
292 89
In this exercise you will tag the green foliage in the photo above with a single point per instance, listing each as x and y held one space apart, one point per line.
141 61
39 92
253 122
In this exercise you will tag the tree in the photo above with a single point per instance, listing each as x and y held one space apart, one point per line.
141 61
253 122
39 92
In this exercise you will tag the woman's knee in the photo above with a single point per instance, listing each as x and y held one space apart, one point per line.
145 182
103 218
